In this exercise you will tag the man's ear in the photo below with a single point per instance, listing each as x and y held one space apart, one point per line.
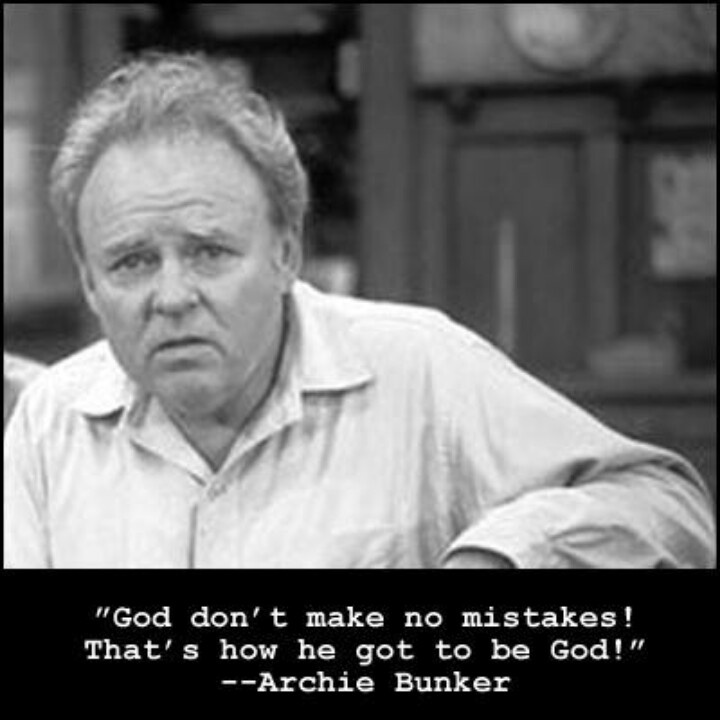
88 284
288 258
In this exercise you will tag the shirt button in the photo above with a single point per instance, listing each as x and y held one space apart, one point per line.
215 492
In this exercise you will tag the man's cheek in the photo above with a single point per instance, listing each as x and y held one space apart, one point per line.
124 328
123 316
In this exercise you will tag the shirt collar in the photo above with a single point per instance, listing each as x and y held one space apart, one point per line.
320 357
323 354
109 390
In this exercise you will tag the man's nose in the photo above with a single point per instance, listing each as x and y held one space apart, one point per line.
175 293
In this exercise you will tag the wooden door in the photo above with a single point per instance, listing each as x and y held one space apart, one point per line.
514 250
517 230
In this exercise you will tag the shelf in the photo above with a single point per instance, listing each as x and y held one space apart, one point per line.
685 388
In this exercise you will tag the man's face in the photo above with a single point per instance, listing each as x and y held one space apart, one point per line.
185 269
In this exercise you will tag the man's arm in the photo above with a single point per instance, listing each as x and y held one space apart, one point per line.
634 519
549 486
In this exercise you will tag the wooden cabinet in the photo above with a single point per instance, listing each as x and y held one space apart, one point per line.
565 179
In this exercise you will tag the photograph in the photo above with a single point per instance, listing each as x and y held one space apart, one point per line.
360 286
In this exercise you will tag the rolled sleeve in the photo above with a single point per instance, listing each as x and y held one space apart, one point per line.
633 520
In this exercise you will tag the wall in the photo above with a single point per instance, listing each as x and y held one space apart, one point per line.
524 43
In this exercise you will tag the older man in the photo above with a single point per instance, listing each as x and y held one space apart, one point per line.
237 418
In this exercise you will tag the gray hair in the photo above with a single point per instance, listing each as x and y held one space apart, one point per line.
163 95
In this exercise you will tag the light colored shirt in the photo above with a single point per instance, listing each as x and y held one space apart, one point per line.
17 373
392 438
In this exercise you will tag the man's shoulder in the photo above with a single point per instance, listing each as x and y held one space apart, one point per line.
382 325
74 377
20 370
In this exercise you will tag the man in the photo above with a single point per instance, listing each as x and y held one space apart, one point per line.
17 373
237 418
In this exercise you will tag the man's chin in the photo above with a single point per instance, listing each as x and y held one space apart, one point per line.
188 396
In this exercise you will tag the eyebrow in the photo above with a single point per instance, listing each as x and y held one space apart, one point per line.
124 247
212 233
202 234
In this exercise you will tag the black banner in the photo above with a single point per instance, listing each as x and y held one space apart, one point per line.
315 638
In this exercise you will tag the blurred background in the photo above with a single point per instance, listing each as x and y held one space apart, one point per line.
546 174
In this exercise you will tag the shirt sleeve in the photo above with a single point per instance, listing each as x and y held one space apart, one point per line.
25 527
545 485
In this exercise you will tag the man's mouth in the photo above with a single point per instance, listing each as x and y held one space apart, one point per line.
183 343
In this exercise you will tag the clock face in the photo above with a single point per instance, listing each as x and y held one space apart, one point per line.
563 37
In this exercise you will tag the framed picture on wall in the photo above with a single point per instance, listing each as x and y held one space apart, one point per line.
683 196
669 278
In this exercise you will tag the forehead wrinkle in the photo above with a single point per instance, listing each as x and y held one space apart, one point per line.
195 193
168 207
152 204
130 191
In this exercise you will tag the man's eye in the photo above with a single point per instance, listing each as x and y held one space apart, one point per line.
210 253
134 263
